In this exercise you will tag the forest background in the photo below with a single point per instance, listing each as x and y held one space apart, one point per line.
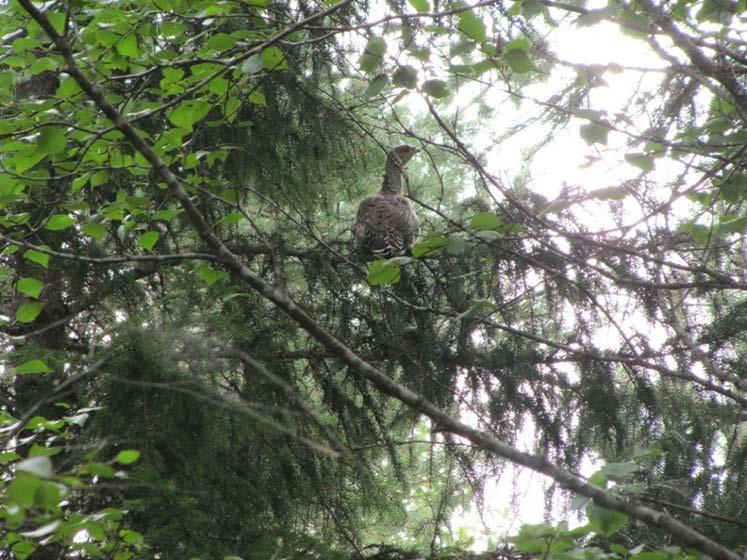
197 365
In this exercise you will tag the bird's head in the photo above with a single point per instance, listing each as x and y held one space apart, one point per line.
403 153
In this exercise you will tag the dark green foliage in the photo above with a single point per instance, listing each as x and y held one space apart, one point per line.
217 475
729 327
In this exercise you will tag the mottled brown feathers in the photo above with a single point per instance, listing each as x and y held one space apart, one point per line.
385 225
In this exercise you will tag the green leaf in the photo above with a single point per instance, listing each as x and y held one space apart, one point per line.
420 5
398 261
106 37
131 537
520 44
68 89
421 53
189 112
373 54
478 309
172 29
7 456
231 108
127 457
218 86
128 46
619 471
436 88
38 466
96 469
376 85
32 366
598 479
230 195
51 140
455 245
112 514
171 79
76 206
57 19
99 178
716 11
95 230
376 46
531 8
30 286
512 229
221 42
489 235
59 222
274 59
258 98
717 125
22 490
578 532
37 256
485 220
209 275
14 61
164 215
641 161
232 218
635 488
472 26
654 555
148 240
42 451
405 76
42 65
519 61
648 453
29 311
732 224
594 133
431 245
26 159
633 23
533 538
605 521
381 272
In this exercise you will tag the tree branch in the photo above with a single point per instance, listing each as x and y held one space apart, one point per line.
720 73
111 260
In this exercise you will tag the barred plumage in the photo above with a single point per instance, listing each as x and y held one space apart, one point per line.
385 225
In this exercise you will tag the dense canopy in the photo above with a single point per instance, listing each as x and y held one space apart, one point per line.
199 364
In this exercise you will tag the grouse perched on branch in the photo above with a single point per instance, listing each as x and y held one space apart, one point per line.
385 225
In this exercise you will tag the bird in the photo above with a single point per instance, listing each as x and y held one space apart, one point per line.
385 225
